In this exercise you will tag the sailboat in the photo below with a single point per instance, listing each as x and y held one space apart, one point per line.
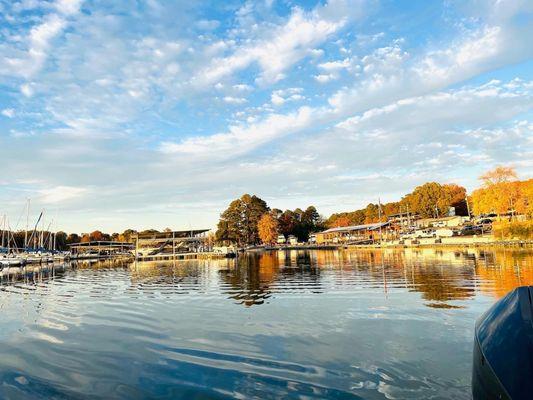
8 256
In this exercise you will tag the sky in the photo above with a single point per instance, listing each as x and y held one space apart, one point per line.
155 114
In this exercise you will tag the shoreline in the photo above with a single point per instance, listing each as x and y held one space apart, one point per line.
526 244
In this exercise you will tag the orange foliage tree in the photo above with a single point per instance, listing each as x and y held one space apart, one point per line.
502 193
268 228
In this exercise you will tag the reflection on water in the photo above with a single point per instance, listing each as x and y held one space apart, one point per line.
300 324
439 275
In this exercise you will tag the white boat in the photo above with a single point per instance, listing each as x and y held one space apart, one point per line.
12 261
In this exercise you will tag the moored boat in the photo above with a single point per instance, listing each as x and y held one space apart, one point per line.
12 261
503 349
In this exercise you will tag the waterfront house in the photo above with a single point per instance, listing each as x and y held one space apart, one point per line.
281 239
442 222
292 240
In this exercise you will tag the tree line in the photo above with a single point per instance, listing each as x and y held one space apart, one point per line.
249 220
62 239
430 200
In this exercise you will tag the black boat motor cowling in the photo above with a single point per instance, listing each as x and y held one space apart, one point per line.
503 349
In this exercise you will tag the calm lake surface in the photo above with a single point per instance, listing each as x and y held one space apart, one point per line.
296 324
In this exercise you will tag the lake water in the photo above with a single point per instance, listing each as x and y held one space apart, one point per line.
296 324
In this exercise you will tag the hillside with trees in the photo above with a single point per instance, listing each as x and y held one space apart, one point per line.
429 200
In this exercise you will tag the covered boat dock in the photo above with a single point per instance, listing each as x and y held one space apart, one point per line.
354 234
171 244
100 249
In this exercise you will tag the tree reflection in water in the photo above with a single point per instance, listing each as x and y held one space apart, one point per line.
442 276
255 276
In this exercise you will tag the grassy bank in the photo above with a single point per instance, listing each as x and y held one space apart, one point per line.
513 230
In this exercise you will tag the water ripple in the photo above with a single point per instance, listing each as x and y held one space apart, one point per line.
327 324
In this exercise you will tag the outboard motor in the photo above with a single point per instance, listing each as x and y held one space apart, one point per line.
503 349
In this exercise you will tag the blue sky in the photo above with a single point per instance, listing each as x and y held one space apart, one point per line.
158 113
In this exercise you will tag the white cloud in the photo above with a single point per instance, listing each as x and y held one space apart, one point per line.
208 24
280 97
241 139
59 194
243 87
26 89
325 78
280 48
390 73
336 65
438 130
68 7
234 100
464 58
27 63
8 112
276 99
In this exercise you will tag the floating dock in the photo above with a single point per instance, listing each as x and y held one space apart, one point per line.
183 256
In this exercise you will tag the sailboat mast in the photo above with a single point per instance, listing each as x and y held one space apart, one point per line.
27 224
41 241
3 228
49 235
8 241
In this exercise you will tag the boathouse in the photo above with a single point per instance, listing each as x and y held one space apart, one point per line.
99 249
167 244
442 222
353 234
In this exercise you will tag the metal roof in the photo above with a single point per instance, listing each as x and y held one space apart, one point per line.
170 235
369 227
100 243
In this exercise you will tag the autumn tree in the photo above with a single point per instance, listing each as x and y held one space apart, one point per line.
127 235
238 223
268 228
73 238
287 222
356 217
501 193
97 236
500 174
371 213
429 200
525 206
341 221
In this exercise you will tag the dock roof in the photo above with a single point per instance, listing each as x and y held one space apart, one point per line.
352 228
171 234
95 243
